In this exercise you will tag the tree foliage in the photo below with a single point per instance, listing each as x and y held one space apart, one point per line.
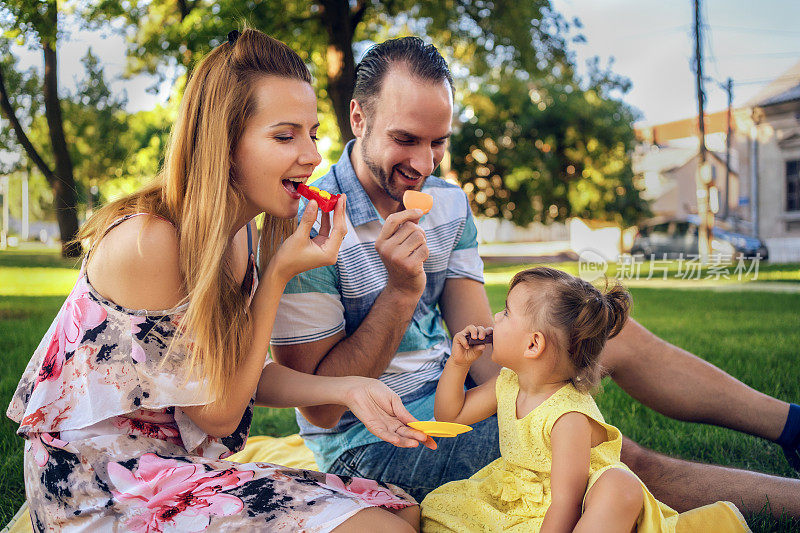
549 149
95 122
532 140
169 36
100 133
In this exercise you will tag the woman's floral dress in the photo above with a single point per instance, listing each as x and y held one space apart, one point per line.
108 447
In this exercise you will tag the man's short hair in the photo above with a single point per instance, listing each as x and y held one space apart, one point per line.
423 61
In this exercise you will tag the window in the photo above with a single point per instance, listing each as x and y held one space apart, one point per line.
660 229
681 229
793 185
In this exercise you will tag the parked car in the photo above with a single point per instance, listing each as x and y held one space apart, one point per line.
673 237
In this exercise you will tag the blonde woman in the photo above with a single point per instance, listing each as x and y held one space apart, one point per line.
147 377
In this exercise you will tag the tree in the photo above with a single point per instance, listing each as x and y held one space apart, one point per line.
549 149
563 155
477 36
39 20
96 122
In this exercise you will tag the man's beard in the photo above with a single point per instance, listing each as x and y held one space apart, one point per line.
391 188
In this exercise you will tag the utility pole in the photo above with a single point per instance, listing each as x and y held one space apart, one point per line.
729 89
24 233
4 189
703 178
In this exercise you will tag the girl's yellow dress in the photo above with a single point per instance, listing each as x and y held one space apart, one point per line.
513 492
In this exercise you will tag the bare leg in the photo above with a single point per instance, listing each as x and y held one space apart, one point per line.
685 485
613 504
682 386
409 514
376 519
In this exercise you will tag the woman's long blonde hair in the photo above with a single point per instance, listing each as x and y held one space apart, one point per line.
197 191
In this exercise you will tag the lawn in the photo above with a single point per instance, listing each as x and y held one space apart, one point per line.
753 335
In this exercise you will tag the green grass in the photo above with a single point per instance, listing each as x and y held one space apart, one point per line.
752 335
677 273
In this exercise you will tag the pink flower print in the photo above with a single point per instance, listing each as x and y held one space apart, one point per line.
37 447
175 496
137 352
80 313
134 425
367 490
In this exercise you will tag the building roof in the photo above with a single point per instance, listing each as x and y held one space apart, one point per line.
665 159
780 98
780 85
716 122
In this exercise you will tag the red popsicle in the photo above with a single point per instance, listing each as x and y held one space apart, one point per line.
325 200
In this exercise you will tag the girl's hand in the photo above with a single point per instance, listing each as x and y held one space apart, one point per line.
383 414
464 354
299 252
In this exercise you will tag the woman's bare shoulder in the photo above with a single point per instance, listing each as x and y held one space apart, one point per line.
136 265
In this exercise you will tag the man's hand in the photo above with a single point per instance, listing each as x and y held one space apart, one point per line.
464 354
403 248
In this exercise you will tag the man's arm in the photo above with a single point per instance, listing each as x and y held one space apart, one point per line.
369 350
464 302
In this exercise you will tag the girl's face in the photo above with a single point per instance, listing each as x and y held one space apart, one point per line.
278 147
511 334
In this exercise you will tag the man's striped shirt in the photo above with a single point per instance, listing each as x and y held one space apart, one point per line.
324 301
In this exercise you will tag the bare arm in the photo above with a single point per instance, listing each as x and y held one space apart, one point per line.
464 302
140 248
370 349
219 418
367 352
370 400
147 248
296 254
571 444
451 403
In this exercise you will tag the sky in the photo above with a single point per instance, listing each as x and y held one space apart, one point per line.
650 41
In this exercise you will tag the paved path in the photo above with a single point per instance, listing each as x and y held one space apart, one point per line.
527 252
559 251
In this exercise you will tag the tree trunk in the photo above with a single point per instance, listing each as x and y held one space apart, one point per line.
340 23
64 183
8 112
185 9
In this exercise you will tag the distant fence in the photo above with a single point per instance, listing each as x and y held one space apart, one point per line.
604 238
496 230
784 249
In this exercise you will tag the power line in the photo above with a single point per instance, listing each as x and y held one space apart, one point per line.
712 57
794 53
755 30
708 40
795 77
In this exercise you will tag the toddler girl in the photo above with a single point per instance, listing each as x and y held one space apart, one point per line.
560 466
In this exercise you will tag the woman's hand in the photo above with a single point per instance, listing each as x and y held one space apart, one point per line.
383 414
299 252
464 354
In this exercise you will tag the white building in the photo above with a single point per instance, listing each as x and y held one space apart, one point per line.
763 186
